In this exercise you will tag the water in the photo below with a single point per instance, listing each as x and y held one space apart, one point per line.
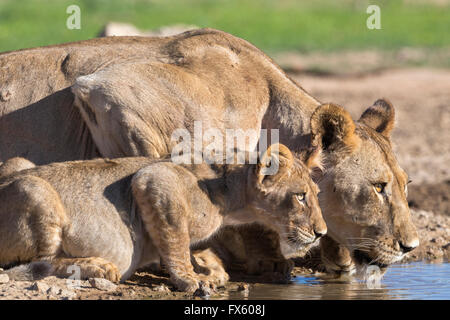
406 281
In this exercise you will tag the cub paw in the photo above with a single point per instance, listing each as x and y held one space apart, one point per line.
100 268
198 285
188 284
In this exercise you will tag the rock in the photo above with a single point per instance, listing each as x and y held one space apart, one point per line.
243 287
202 292
161 288
53 290
4 278
67 294
102 284
40 287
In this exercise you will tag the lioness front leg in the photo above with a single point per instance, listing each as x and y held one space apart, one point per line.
336 258
264 255
253 249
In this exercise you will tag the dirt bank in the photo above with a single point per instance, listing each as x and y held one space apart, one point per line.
434 236
421 98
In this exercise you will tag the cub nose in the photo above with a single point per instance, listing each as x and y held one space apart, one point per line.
407 247
320 233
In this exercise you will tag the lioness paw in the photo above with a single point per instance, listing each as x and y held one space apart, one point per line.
280 266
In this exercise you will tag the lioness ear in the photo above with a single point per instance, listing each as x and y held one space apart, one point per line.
331 127
380 117
312 158
274 162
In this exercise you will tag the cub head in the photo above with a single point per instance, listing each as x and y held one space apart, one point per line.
285 197
363 189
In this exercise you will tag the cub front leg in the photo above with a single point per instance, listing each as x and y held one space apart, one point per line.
165 215
172 241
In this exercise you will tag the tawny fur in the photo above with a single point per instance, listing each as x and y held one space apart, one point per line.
13 165
124 96
368 225
110 217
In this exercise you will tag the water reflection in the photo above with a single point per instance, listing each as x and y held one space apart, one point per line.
409 281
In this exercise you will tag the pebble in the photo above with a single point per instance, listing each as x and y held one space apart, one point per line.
40 287
4 278
242 287
53 290
67 294
102 284
161 288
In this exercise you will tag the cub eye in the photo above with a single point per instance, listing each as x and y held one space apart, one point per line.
300 197
379 187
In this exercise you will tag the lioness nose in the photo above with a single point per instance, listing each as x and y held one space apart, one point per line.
407 247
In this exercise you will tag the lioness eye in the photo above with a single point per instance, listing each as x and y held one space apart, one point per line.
379 187
301 196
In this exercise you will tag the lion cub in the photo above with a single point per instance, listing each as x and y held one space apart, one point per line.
110 217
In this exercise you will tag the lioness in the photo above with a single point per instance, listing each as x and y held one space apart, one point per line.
364 189
110 217
125 96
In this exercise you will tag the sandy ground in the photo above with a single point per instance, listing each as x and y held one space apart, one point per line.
421 97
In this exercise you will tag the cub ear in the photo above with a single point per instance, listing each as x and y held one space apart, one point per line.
274 163
380 117
332 127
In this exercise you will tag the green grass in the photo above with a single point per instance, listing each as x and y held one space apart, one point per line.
272 25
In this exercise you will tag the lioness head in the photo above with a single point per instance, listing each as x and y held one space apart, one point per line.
287 198
363 190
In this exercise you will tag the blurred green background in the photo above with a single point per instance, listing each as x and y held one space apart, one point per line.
273 25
